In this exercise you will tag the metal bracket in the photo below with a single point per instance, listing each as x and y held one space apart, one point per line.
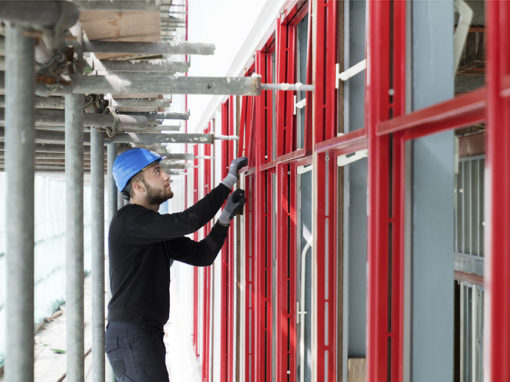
344 160
349 73
298 105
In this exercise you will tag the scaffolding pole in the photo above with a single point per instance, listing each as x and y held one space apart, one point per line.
182 47
20 205
111 152
74 237
98 287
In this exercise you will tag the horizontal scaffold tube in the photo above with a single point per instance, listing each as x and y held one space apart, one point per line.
146 138
40 14
141 84
148 47
52 137
42 102
158 66
57 118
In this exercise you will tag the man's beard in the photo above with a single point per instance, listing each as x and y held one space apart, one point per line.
157 197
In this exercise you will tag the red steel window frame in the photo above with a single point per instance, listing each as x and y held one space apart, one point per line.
262 243
497 270
286 272
207 271
195 269
227 257
286 45
325 128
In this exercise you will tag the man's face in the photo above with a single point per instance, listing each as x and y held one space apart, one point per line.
157 184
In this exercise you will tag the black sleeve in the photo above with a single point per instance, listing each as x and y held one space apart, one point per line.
147 226
200 253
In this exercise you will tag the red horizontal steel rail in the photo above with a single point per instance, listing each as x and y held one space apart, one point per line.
347 143
460 111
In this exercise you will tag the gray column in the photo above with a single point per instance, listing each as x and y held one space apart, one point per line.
98 286
74 236
111 150
112 189
19 153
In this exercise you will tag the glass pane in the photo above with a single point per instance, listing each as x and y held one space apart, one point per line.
469 45
302 47
354 52
304 275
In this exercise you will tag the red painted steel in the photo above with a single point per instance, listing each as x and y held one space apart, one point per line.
290 118
281 97
195 270
460 111
249 282
497 168
225 334
242 130
231 258
325 74
345 144
207 276
397 257
326 268
262 300
325 129
377 107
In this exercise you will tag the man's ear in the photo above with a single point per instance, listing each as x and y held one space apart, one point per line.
138 186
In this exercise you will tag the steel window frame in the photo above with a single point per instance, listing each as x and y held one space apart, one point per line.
207 272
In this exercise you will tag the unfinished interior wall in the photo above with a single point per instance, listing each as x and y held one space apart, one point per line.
432 198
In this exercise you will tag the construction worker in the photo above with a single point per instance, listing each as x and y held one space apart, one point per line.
142 246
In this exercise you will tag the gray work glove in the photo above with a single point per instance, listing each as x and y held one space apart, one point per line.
233 207
233 171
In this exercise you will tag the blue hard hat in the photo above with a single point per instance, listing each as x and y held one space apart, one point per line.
130 163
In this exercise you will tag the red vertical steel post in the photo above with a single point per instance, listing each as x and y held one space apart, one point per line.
325 127
330 67
250 281
377 106
292 213
321 265
290 118
398 193
225 334
397 270
257 145
207 274
497 180
332 269
195 270
231 262
281 76
318 136
242 127
282 331
262 119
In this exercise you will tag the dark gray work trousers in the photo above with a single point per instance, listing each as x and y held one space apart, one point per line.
136 352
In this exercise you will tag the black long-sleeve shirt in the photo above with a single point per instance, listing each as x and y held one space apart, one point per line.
143 244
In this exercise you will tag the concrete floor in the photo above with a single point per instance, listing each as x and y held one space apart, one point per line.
50 364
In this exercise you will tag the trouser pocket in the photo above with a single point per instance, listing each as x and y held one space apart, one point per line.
116 361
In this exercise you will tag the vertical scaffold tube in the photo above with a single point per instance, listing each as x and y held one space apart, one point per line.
19 164
98 285
74 236
111 153
112 190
